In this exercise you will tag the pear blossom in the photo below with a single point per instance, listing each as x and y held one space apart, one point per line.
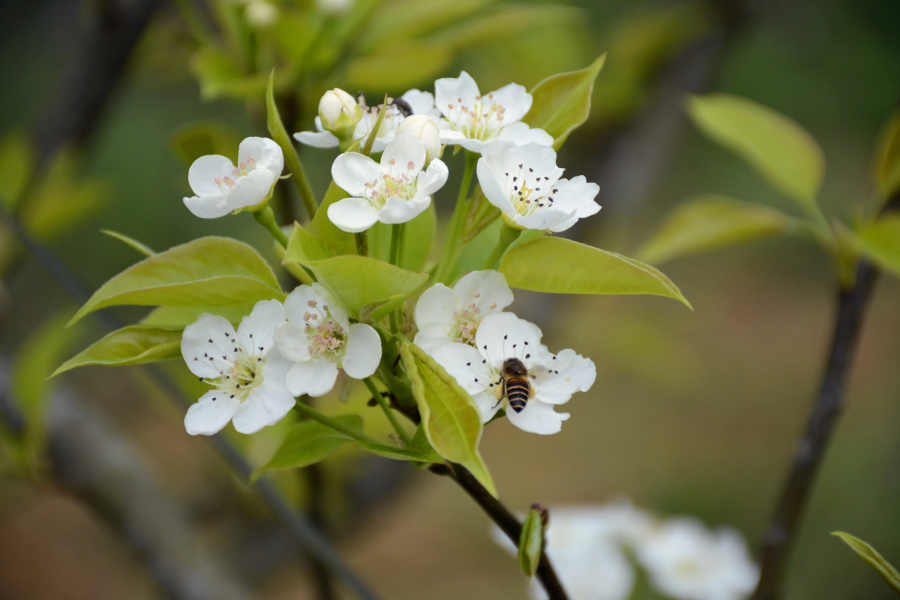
394 191
339 113
473 121
418 102
261 13
524 183
222 188
553 377
425 129
687 561
245 372
318 339
444 315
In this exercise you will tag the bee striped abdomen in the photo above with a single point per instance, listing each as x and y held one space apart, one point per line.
518 391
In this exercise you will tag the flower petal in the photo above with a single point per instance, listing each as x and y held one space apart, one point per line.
436 305
548 218
292 342
266 405
272 158
433 335
520 134
467 366
515 99
256 331
352 214
537 417
363 351
492 188
210 340
317 139
208 207
487 404
432 179
420 102
577 195
314 378
251 189
404 149
397 210
203 172
449 90
476 146
210 414
352 171
504 335
484 288
557 379
537 162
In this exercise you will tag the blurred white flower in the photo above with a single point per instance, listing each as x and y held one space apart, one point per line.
395 191
319 339
245 373
446 315
524 183
335 7
222 188
553 377
420 103
261 13
687 561
425 129
473 121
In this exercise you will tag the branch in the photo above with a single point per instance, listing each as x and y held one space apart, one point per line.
827 409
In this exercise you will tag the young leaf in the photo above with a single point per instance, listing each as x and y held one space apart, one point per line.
563 102
399 453
777 147
709 222
304 246
321 226
210 271
182 316
887 168
307 443
531 541
17 161
557 265
132 345
880 242
871 556
142 248
450 419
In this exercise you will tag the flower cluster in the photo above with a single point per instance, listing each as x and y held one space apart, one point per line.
683 558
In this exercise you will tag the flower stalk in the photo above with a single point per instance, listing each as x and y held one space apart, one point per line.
508 235
315 415
452 247
266 217
379 398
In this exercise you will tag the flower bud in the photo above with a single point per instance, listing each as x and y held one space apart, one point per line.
339 113
425 129
261 13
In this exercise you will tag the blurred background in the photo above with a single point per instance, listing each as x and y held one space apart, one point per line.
692 413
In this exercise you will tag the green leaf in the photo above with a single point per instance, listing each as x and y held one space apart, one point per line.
551 264
777 147
304 247
132 345
887 169
321 226
375 311
871 556
531 542
563 102
210 271
362 281
708 222
399 453
142 248
419 237
307 443
450 419
506 21
182 316
397 65
202 139
880 242
17 162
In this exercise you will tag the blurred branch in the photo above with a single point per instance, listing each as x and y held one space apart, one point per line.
827 409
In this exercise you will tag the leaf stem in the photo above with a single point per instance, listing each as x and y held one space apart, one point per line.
398 232
449 254
266 218
379 398
315 415
508 235
362 243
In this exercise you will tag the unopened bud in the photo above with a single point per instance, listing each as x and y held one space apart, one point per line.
339 113
425 129
261 13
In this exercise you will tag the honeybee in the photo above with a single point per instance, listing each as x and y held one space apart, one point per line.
514 384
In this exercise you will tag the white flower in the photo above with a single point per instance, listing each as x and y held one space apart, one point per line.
339 113
425 129
553 377
222 188
335 7
473 121
245 373
524 182
318 338
395 191
687 561
421 103
445 315
260 13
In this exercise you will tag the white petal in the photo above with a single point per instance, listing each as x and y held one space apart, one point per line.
467 366
317 139
490 287
203 172
471 145
487 404
432 335
381 142
520 134
363 351
404 149
556 380
212 341
208 207
537 417
257 329
352 171
493 189
504 335
548 218
515 99
314 378
314 300
577 195
210 414
450 136
436 305
272 158
450 90
352 214
432 179
397 210
420 102
292 342
266 405
536 160
251 189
